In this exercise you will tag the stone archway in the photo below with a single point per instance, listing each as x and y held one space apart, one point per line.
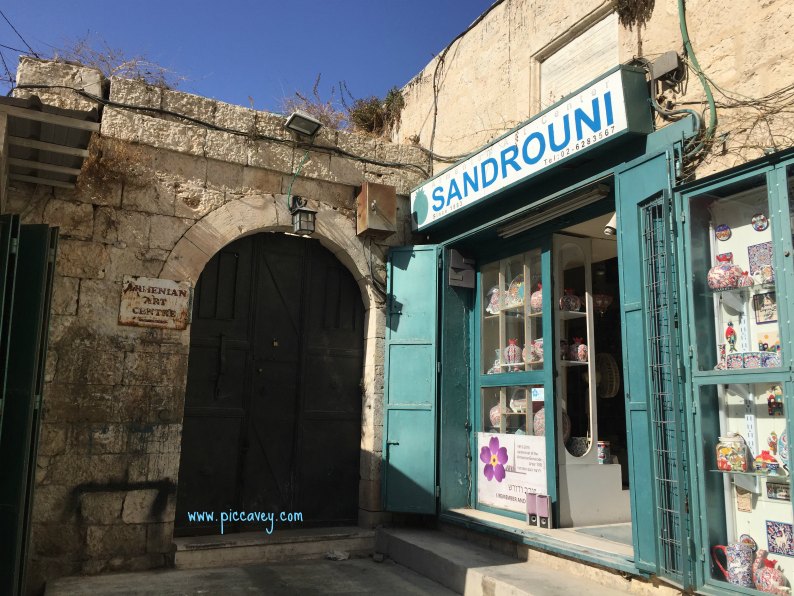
335 232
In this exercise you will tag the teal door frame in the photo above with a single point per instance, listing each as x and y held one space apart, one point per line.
708 511
543 377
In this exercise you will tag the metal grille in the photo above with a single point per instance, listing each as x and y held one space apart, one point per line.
661 305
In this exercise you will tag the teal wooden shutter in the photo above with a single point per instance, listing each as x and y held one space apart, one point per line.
409 423
648 305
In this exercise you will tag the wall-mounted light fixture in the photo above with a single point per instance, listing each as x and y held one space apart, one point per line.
302 217
301 122
611 229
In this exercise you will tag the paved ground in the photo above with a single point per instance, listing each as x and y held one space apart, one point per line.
354 576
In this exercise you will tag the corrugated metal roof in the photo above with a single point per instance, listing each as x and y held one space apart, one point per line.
46 145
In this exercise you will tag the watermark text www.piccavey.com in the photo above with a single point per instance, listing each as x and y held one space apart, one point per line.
262 517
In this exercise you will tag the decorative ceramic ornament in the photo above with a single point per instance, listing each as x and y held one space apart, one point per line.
752 359
745 281
772 441
782 448
536 300
569 301
495 415
722 232
732 453
578 446
739 563
724 275
578 350
493 300
760 222
512 352
515 292
539 424
518 401
730 337
749 541
767 577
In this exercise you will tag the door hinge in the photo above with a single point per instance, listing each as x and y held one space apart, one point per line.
438 367
691 352
14 245
438 491
52 255
440 260
702 553
683 217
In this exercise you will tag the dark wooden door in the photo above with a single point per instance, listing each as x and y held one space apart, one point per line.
273 402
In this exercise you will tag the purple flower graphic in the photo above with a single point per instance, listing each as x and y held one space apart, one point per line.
494 458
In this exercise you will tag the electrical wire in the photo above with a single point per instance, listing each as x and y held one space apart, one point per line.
255 136
295 175
13 49
32 51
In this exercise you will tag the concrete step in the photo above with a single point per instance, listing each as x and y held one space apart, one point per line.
228 550
472 570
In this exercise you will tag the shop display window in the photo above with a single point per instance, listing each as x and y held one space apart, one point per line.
512 325
734 278
746 444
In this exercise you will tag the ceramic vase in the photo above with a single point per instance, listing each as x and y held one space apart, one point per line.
578 446
767 577
732 454
569 301
739 563
601 302
493 301
512 352
536 351
495 415
578 350
536 300
539 424
724 275
782 448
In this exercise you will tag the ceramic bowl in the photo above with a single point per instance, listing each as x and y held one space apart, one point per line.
578 446
752 360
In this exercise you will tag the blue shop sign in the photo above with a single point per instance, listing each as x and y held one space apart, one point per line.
607 109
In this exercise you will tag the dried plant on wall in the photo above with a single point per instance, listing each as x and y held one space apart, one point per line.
634 12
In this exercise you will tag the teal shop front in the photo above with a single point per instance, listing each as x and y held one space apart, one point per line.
539 371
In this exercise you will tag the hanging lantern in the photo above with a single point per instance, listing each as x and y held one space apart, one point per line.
303 218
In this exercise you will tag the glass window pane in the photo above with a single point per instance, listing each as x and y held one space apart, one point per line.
747 485
511 327
734 285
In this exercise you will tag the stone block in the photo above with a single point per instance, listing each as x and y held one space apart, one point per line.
53 438
188 104
176 168
65 403
317 165
64 295
151 198
343 170
90 367
53 503
101 508
97 188
50 366
121 124
116 541
98 439
163 466
333 195
105 226
136 93
272 125
357 144
370 465
99 305
173 136
270 155
145 368
167 404
133 228
235 117
227 147
139 506
185 263
75 220
55 540
34 71
225 176
77 258
196 201
264 181
160 538
141 262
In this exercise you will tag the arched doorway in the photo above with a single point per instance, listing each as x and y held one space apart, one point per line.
273 401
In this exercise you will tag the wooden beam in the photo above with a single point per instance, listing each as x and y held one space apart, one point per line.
37 180
43 167
34 144
67 121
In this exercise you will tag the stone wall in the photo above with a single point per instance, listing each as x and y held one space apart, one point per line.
157 197
488 81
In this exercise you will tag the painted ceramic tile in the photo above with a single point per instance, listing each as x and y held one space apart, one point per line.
780 538
759 255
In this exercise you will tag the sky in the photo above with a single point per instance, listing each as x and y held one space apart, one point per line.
253 53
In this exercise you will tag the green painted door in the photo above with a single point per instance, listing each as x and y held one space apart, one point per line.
652 369
411 373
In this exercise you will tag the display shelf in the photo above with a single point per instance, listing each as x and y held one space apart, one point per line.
567 315
565 363
774 478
